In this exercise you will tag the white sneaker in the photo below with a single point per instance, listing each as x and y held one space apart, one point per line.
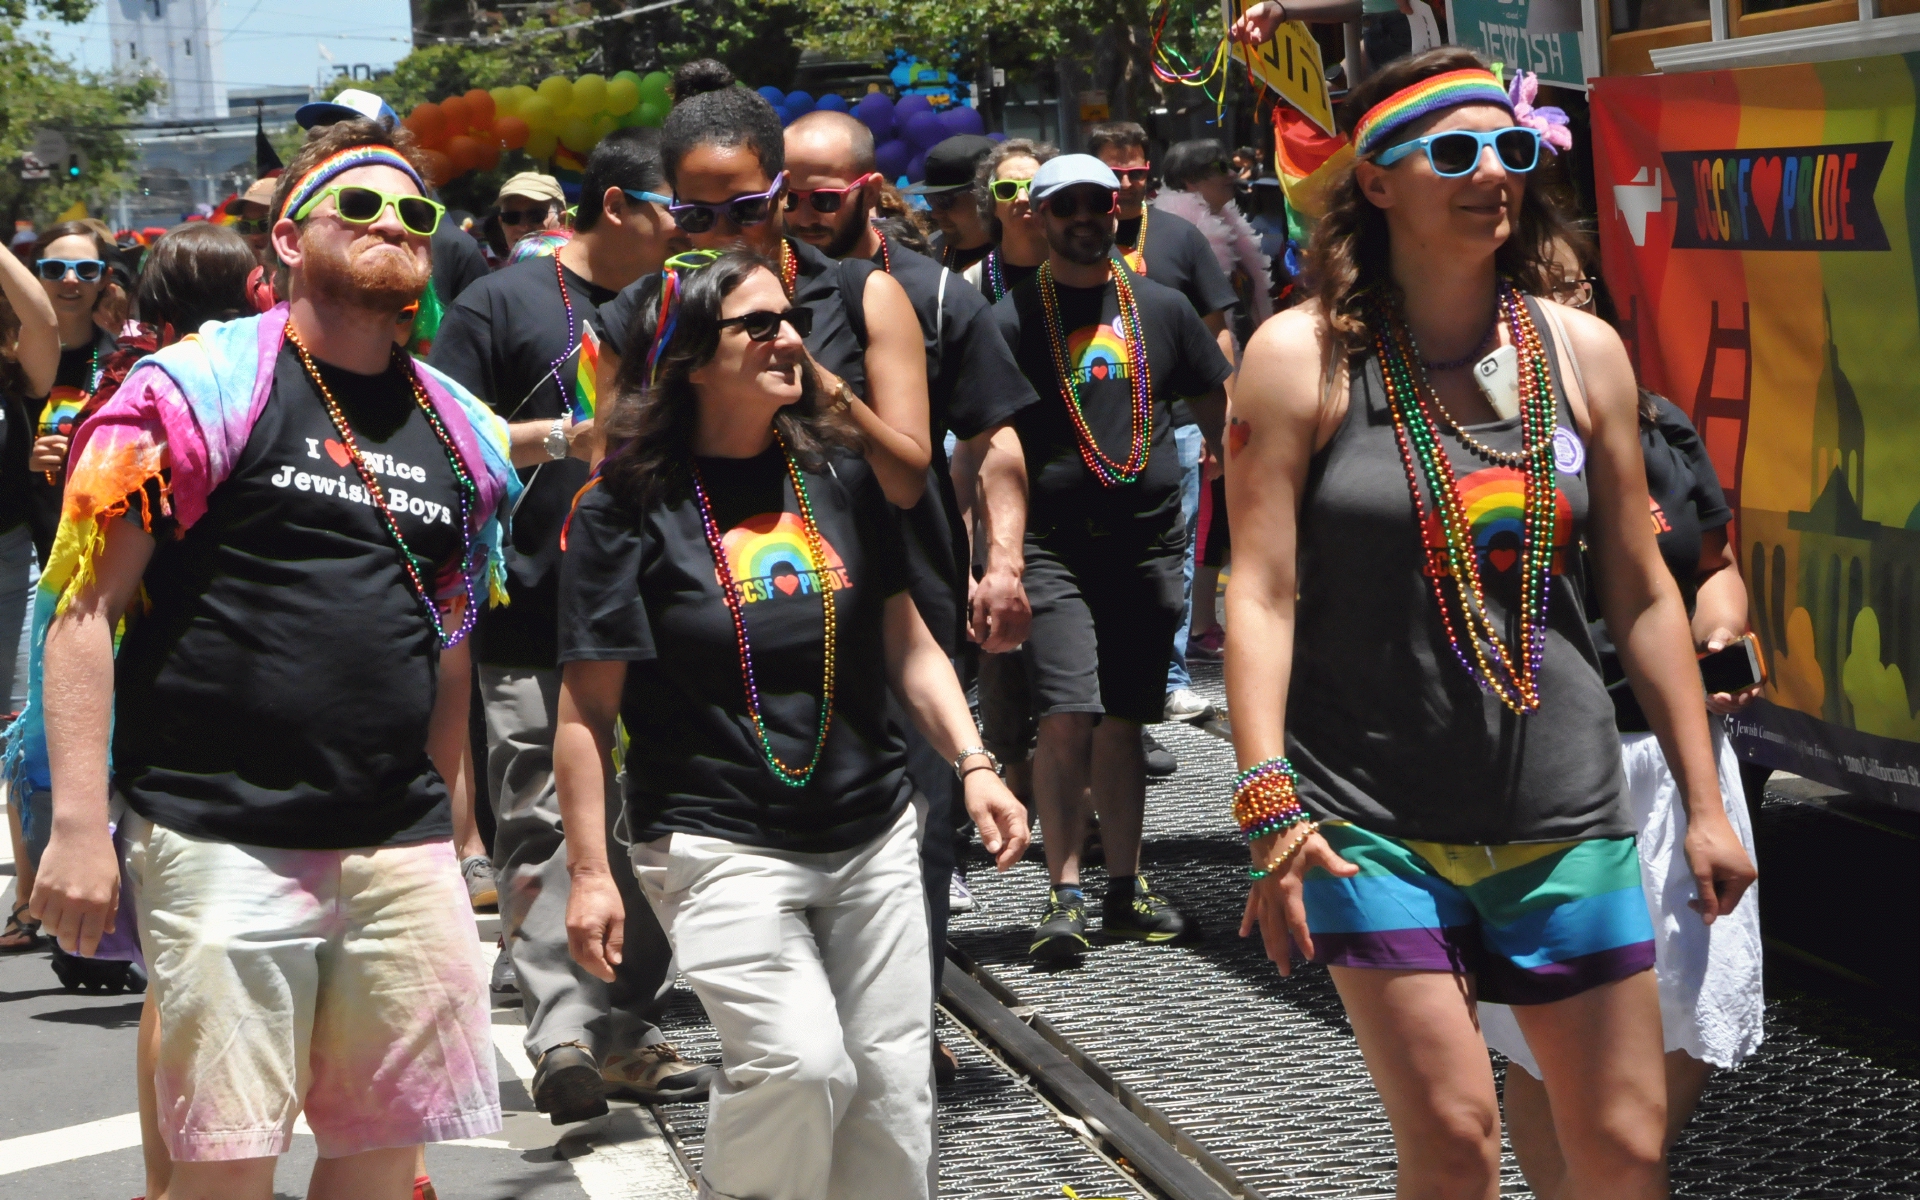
1184 705
959 895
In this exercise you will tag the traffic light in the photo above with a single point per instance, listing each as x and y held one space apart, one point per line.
73 166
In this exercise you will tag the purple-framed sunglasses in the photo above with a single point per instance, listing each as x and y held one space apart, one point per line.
694 216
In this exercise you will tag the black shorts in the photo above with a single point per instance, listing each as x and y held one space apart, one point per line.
1104 613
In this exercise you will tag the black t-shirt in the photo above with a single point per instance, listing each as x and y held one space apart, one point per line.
28 493
501 341
1183 359
279 690
644 590
457 262
973 384
1179 257
998 276
1685 503
956 257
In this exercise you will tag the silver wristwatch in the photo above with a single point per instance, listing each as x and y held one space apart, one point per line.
970 752
556 442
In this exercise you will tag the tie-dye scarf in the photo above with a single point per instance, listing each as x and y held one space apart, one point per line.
172 433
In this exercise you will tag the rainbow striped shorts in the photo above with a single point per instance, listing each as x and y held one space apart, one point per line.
1534 923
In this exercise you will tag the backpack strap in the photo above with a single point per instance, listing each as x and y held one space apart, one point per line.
853 275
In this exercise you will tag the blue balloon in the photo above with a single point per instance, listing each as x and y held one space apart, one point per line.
893 158
963 120
772 95
925 130
875 111
800 102
832 102
997 136
917 169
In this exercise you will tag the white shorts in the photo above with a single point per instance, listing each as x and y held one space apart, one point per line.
345 982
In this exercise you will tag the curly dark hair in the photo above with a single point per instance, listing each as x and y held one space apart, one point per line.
653 421
711 109
1347 259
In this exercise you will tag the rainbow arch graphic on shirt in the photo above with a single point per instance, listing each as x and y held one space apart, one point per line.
769 559
62 410
1098 354
1496 502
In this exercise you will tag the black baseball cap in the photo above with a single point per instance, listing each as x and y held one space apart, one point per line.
951 164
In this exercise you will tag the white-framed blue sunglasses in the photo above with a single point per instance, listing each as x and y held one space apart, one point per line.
1457 152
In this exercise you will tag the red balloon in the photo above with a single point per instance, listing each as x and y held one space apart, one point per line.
511 131
439 167
489 153
453 110
465 153
428 123
480 108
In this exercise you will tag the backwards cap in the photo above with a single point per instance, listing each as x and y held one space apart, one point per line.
1473 85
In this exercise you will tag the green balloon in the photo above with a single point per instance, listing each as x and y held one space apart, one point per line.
651 112
654 87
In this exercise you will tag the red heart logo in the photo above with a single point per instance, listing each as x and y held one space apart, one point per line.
1099 370
338 453
787 583
1763 183
1502 560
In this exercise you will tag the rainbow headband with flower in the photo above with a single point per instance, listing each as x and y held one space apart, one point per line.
346 160
1473 85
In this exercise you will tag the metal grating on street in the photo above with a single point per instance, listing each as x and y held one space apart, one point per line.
1264 1072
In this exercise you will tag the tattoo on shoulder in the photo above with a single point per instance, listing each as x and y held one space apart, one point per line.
1238 432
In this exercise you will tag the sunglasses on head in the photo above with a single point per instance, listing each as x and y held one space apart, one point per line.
1008 190
1457 151
763 326
1093 201
696 216
357 204
1130 174
828 200
87 270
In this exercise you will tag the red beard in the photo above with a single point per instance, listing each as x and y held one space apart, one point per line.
378 282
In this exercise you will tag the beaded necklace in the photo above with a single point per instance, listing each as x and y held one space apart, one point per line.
886 256
1471 356
1127 325
463 482
789 267
553 368
1136 258
996 276
1512 675
730 591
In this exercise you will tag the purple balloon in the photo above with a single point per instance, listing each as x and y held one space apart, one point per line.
875 111
917 169
997 136
832 102
909 105
925 130
963 120
893 158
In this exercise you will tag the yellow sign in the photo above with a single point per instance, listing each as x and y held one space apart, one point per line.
1089 113
1289 63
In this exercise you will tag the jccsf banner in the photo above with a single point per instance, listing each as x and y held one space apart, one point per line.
1757 235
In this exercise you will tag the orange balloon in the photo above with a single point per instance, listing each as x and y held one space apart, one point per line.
465 153
511 131
480 108
453 110
489 154
439 167
428 123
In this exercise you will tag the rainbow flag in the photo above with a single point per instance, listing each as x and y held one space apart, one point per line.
1308 160
586 383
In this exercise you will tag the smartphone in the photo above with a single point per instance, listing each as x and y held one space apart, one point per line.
1498 375
1734 667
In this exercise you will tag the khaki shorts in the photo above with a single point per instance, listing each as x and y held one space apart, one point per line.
347 983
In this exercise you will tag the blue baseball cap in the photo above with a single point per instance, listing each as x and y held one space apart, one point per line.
347 105
1070 170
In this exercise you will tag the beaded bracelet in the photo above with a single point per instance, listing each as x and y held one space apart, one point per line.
1264 802
1280 860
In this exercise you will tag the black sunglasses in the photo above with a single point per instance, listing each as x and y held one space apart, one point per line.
764 326
525 216
942 201
1093 201
86 270
251 226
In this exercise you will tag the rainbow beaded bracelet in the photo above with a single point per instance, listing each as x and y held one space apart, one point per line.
1264 802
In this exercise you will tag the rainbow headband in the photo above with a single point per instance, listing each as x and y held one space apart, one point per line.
346 160
1470 86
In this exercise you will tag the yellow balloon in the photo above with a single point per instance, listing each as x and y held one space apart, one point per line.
538 112
505 102
603 124
558 91
541 145
521 93
622 95
576 133
589 94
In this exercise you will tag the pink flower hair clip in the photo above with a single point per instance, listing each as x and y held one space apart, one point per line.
1550 123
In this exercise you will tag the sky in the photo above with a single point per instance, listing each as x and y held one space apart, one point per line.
267 43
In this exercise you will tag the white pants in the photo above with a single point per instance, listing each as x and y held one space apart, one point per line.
813 967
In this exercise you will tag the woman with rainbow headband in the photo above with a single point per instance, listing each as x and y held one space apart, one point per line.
1431 781
735 593
310 517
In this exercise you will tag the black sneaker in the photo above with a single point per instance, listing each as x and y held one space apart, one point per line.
1062 931
1144 915
567 1085
1160 760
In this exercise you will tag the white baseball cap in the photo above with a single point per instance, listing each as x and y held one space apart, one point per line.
348 104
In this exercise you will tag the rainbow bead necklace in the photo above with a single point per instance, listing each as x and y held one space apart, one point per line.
996 277
1512 675
789 267
463 484
1127 323
730 591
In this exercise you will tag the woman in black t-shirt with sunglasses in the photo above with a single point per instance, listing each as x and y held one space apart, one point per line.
734 592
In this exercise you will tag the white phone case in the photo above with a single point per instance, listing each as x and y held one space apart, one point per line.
1498 375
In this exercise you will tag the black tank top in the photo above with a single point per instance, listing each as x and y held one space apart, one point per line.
1385 727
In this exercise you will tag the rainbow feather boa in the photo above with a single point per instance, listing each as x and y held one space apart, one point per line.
180 422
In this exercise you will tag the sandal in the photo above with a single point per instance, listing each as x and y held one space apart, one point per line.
20 936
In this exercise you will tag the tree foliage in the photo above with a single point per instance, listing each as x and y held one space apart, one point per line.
45 91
